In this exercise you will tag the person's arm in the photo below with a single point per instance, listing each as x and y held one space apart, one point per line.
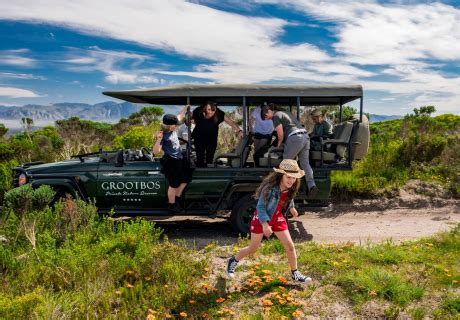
181 114
157 146
263 217
232 124
280 133
252 122
294 212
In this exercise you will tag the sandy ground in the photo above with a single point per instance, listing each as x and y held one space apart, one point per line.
359 222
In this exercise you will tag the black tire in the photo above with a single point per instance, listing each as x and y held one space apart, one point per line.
242 213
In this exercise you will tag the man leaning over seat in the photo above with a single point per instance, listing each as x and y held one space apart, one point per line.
295 138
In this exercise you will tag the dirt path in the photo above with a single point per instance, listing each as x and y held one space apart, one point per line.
358 223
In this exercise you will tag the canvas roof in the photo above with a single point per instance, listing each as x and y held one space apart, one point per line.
232 94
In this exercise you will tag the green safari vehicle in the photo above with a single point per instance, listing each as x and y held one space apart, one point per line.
129 182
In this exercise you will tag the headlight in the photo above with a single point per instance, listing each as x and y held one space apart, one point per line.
22 179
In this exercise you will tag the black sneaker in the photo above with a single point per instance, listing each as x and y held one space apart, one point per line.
174 208
299 277
231 266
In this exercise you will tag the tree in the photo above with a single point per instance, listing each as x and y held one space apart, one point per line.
3 130
27 125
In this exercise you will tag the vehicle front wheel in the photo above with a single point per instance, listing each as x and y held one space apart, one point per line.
242 214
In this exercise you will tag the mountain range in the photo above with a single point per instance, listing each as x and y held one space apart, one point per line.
108 111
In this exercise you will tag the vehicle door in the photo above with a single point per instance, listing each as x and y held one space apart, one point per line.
132 184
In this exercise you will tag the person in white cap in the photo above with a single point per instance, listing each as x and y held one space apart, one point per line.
275 194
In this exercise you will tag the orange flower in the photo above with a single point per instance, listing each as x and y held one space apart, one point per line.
129 272
168 316
297 313
129 286
195 291
150 311
150 317
166 286
281 301
282 279
454 281
220 300
267 302
183 314
192 301
205 286
267 271
147 278
373 293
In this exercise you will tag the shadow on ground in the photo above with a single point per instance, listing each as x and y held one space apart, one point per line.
197 233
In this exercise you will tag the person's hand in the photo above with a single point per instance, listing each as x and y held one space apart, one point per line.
159 135
294 212
267 230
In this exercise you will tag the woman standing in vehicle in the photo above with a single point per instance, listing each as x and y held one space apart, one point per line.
207 119
275 193
263 132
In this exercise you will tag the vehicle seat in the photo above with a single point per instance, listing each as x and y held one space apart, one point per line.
241 152
360 138
341 139
272 158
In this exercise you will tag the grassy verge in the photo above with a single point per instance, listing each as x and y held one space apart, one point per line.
67 262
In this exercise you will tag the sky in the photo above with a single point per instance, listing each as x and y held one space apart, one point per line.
405 54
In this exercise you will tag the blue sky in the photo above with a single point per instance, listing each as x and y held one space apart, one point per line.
405 53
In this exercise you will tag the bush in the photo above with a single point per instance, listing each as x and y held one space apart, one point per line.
6 177
24 199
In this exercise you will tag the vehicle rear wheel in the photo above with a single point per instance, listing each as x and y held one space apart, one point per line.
242 214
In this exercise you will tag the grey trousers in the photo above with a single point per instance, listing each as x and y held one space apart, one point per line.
298 145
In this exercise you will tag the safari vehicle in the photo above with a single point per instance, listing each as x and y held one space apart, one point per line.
130 183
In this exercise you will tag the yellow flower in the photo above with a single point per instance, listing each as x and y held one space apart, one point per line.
454 281
151 317
118 292
166 286
129 286
267 271
183 314
220 300
373 293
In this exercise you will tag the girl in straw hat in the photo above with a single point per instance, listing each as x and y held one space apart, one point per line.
275 192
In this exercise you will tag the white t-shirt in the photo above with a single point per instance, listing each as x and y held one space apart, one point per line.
261 126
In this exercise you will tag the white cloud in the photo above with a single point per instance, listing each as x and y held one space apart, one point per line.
112 64
16 58
26 76
17 93
230 41
400 39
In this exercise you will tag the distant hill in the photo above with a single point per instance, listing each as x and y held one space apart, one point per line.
105 111
380 118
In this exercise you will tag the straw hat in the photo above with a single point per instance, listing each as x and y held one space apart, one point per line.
316 113
290 168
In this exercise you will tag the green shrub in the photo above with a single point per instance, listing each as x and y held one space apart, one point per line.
25 198
6 177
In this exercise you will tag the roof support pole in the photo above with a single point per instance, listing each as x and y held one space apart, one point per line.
245 116
298 108
361 108
189 127
341 111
